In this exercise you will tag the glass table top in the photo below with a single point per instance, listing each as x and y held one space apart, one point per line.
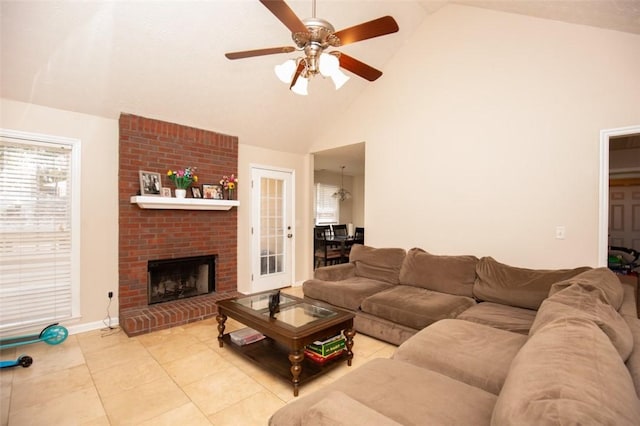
292 311
301 314
258 302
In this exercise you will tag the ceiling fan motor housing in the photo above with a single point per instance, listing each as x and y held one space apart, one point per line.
318 31
315 40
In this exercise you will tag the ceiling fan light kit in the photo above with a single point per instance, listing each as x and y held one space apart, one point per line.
300 86
328 65
313 36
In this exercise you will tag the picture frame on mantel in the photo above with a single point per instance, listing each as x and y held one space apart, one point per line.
150 183
195 191
212 191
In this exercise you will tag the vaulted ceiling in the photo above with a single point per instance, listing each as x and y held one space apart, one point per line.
165 59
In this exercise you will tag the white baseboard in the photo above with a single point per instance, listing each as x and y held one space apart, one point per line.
90 326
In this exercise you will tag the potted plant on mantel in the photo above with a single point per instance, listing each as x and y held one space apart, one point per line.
182 180
229 183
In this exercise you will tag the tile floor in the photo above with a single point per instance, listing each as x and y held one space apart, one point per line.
174 376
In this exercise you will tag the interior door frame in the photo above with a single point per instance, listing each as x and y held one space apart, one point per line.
292 221
603 225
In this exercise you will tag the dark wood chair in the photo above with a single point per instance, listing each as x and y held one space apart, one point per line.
325 253
358 236
339 230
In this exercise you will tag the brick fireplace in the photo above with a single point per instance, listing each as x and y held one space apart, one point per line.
147 234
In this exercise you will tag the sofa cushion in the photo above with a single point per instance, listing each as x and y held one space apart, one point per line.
601 278
415 307
582 300
633 363
520 287
382 264
407 394
568 372
338 272
338 408
472 353
446 274
347 294
504 317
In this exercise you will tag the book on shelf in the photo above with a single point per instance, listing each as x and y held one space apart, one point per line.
328 346
244 336
322 359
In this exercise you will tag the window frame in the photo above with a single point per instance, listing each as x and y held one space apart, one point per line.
29 138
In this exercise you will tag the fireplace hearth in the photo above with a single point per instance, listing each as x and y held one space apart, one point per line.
172 279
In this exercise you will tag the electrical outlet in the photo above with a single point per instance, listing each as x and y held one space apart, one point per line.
110 294
561 232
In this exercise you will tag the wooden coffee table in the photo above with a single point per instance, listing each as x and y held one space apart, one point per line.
297 324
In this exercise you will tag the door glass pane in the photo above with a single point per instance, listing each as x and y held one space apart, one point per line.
272 230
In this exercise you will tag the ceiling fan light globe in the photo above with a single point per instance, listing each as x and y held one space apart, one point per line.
300 88
339 78
285 71
328 65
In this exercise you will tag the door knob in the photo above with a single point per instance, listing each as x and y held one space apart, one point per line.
289 235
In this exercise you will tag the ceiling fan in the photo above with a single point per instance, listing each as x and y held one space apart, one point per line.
313 36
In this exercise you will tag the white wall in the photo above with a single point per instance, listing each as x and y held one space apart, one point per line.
99 199
483 136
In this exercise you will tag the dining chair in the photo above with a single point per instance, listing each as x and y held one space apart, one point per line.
359 235
339 230
324 252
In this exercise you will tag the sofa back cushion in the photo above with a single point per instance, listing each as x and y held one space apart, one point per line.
601 278
382 264
520 287
446 274
586 302
568 372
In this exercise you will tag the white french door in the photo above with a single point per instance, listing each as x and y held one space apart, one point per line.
272 228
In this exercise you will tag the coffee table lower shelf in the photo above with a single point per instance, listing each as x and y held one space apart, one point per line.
273 357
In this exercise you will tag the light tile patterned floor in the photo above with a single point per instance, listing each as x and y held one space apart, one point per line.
174 376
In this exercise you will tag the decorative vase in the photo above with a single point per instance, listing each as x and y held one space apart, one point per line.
230 194
181 193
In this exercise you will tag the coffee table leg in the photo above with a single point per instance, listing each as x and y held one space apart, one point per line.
349 333
221 318
296 358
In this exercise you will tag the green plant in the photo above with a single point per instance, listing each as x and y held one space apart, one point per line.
183 178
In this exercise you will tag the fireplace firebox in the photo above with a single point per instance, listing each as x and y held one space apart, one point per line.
171 279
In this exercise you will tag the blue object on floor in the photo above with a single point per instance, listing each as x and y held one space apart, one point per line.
22 360
52 334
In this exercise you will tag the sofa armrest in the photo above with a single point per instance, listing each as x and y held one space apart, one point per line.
338 272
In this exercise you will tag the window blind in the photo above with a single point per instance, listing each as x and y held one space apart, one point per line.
35 234
327 206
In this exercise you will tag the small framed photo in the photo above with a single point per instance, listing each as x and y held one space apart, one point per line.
150 183
166 192
195 191
212 191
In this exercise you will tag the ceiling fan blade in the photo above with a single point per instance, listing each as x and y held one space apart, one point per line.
259 52
285 15
360 68
297 74
377 27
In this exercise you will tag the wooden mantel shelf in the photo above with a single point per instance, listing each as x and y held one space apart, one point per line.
152 202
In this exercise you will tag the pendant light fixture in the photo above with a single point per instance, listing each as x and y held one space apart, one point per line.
342 194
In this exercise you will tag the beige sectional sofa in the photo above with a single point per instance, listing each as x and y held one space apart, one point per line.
396 293
534 348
